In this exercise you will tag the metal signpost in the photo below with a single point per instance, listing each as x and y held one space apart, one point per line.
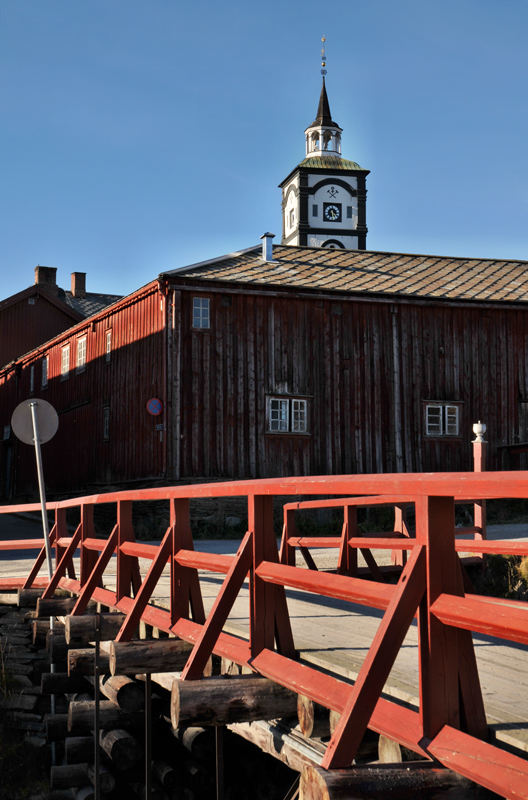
36 422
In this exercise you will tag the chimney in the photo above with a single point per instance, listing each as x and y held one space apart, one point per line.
78 284
47 277
267 246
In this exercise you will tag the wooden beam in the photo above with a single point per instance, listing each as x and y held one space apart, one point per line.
223 700
151 655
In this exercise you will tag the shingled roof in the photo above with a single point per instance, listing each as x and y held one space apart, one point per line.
370 272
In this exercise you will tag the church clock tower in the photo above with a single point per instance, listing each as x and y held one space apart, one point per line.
324 197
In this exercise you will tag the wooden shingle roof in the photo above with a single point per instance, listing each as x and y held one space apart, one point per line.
360 271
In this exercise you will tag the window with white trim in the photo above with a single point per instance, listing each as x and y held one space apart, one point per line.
108 346
81 354
442 419
65 362
287 415
201 312
45 364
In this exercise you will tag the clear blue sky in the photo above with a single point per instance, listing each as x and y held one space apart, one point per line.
142 135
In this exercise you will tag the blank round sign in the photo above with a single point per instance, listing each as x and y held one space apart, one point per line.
22 421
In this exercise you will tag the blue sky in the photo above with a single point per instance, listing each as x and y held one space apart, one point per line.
142 135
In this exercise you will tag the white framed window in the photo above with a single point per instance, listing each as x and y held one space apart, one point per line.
32 379
287 415
45 363
81 354
108 346
106 422
442 419
201 312
65 362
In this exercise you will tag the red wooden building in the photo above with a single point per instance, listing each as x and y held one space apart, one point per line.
43 310
313 361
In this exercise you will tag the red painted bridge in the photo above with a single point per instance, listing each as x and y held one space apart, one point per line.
446 723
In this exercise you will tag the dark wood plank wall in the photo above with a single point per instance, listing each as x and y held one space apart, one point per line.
25 326
78 455
367 369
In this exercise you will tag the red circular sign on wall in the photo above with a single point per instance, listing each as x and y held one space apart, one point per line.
154 406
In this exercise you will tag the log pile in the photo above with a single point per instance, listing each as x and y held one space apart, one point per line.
248 717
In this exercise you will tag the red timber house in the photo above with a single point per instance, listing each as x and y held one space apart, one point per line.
283 361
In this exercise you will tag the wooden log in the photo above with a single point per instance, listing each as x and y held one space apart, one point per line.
58 607
391 752
421 780
122 748
56 727
125 692
78 749
314 719
151 655
200 742
61 683
28 597
140 791
224 700
81 717
82 628
57 646
68 776
86 793
82 661
165 774
41 628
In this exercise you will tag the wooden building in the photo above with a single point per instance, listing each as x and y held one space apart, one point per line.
43 310
283 361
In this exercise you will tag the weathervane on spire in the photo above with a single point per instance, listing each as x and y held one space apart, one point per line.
323 57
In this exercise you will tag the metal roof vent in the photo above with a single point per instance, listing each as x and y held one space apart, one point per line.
267 246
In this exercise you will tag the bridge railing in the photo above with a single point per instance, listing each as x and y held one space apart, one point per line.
449 722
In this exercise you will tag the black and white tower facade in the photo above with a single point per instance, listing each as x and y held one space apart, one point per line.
324 197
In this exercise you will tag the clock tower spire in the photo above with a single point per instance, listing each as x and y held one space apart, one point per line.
324 197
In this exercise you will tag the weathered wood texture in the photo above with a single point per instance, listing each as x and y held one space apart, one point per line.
82 628
151 655
81 717
220 701
398 781
82 661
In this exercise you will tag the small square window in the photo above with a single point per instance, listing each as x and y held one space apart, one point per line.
201 312
65 362
44 381
108 346
81 354
441 419
287 415
279 416
349 212
315 211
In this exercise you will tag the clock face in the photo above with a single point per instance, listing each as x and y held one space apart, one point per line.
332 212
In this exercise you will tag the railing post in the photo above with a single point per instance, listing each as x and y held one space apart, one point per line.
88 557
262 597
438 643
125 533
289 529
185 585
348 556
479 465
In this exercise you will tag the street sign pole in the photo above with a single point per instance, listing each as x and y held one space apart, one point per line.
42 489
